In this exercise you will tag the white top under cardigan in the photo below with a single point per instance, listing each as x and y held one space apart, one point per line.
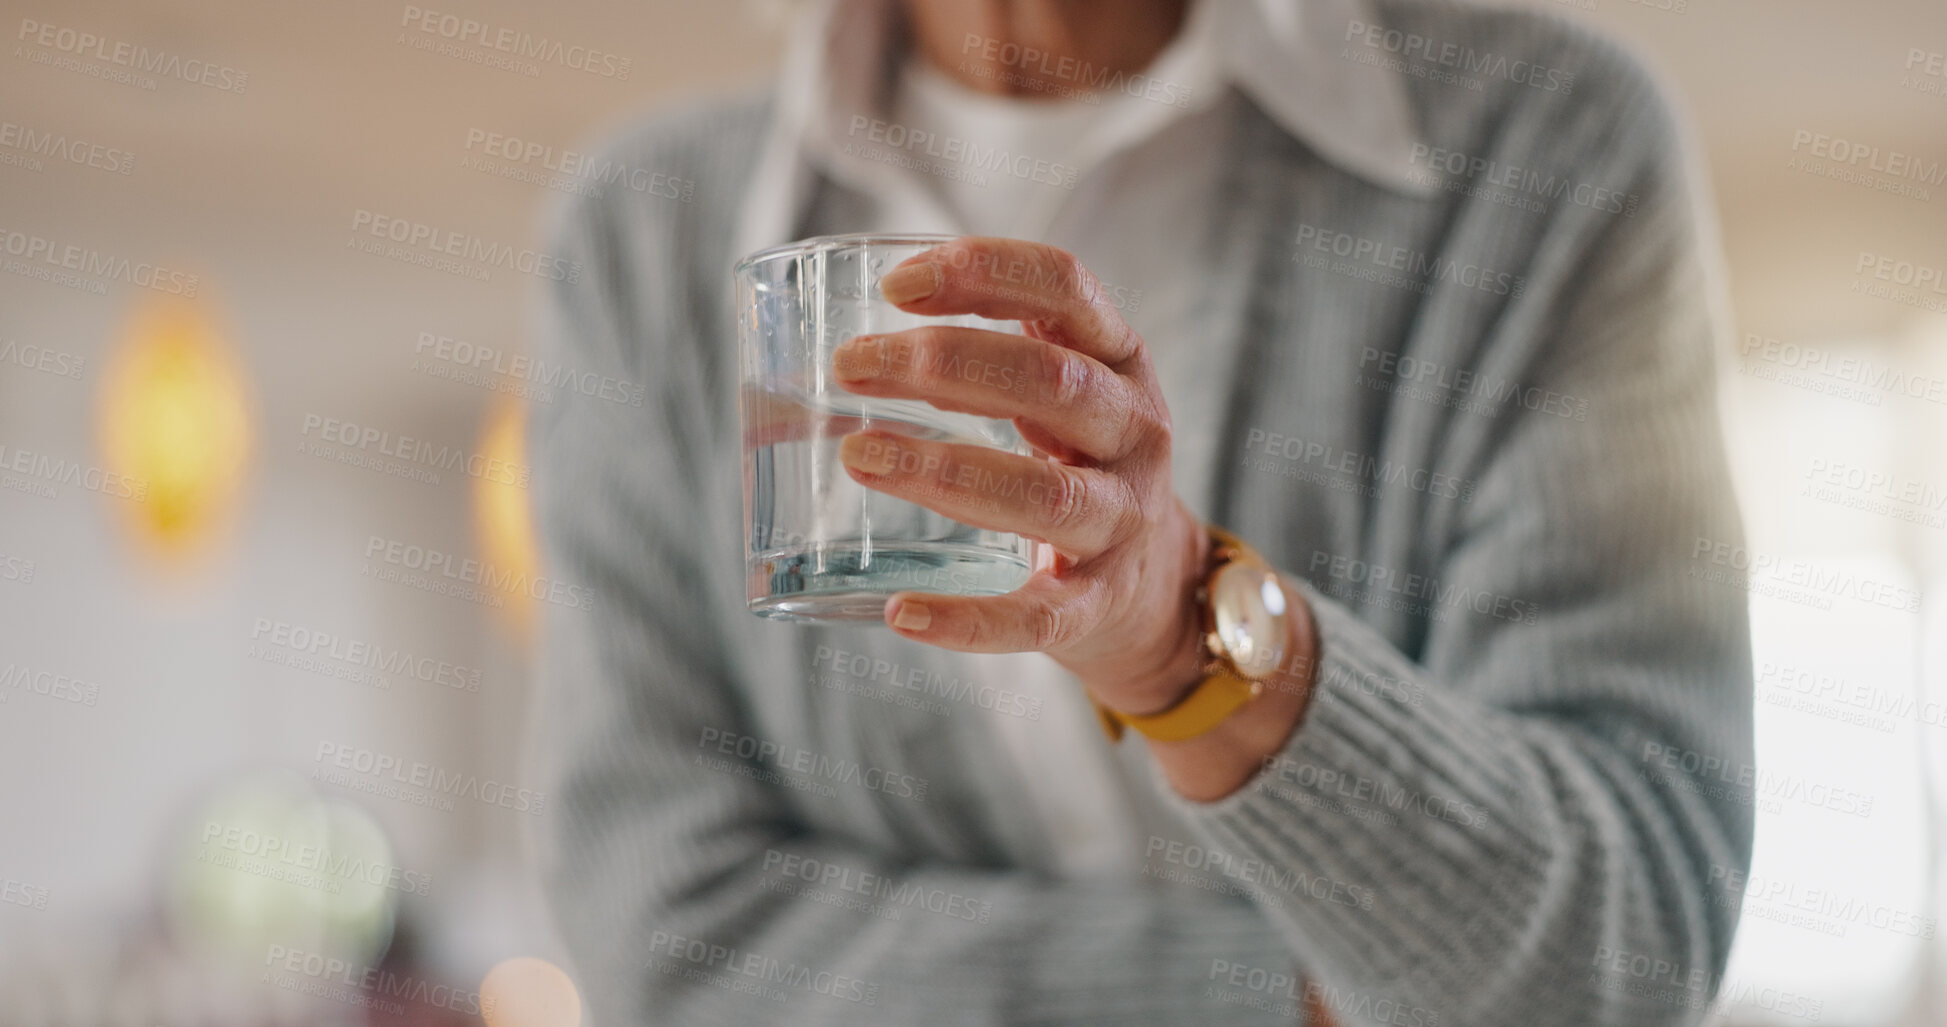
1135 168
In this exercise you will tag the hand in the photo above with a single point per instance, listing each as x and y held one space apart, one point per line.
1112 597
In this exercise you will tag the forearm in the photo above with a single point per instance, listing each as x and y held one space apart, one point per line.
862 941
1500 824
1505 853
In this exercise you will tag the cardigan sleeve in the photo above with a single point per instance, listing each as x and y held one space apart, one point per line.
660 859
1541 798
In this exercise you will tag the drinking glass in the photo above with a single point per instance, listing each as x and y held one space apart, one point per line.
818 545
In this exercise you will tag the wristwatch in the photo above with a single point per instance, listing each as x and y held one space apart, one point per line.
1241 604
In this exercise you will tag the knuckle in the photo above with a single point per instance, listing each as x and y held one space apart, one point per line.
1066 376
1048 627
918 358
1059 257
1157 413
1077 274
1139 428
974 633
1068 497
1128 518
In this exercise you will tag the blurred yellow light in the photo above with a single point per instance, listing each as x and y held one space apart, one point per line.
173 416
502 517
529 992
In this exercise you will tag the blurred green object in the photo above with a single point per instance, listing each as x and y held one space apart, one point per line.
267 861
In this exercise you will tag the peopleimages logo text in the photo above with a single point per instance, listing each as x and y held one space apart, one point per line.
304 855
470 571
1099 78
437 780
969 153
416 235
1413 269
59 147
411 450
48 253
332 977
53 470
579 167
515 42
122 54
326 645
537 371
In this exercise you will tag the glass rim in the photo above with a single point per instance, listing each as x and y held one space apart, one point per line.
847 240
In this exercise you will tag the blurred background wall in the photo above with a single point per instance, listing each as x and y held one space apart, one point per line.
201 617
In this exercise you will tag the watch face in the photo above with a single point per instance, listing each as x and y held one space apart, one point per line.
1248 605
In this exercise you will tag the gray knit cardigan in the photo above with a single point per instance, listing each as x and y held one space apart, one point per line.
1486 442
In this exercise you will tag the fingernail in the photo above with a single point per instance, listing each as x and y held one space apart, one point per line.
912 282
861 452
912 616
857 359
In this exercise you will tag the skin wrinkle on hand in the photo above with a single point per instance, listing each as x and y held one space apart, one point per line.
1116 603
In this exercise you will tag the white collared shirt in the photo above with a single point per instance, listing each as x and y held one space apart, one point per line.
1286 55
1117 181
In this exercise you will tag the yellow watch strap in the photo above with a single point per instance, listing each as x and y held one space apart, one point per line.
1207 705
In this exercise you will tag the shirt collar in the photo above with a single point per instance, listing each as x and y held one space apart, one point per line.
1288 56
1280 53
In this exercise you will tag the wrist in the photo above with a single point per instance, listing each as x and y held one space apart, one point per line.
1152 679
1212 765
